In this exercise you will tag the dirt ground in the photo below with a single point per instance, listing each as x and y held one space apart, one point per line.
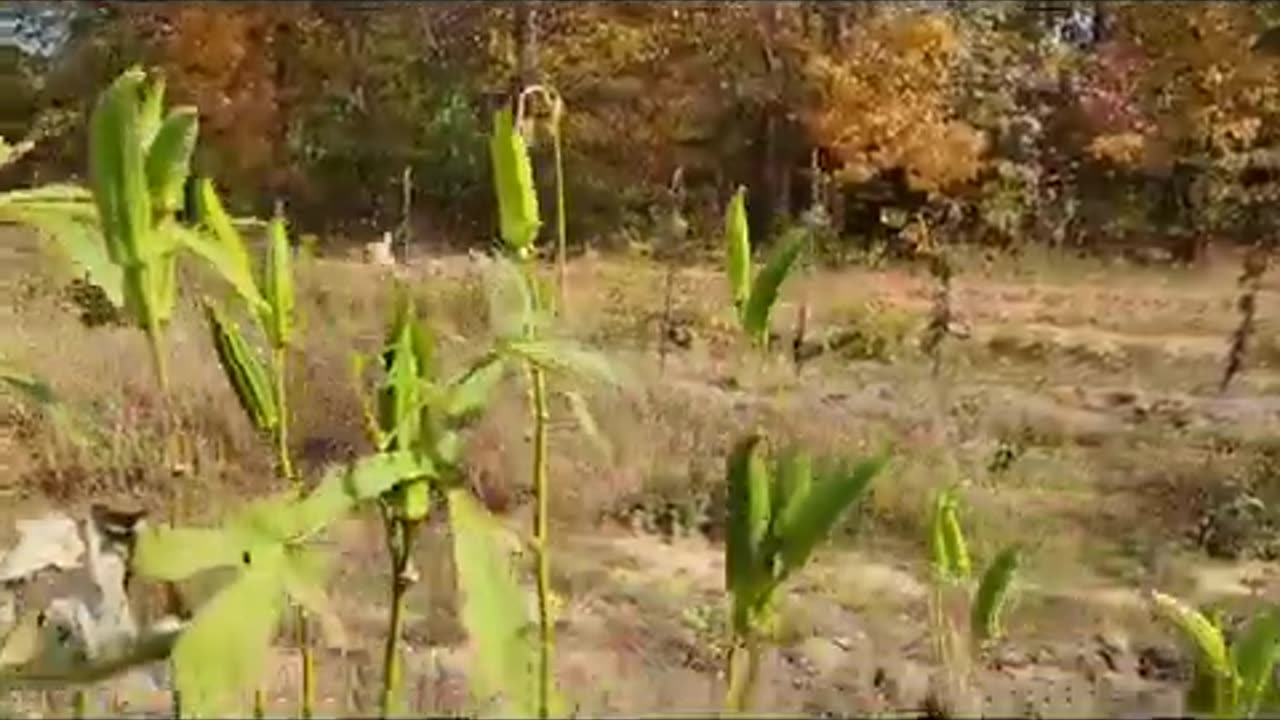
1079 408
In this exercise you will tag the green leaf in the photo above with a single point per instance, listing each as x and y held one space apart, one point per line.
1254 655
150 110
493 611
993 593
749 509
167 553
117 171
949 550
468 395
343 487
513 184
221 655
1198 630
764 291
737 240
277 285
568 358
66 214
827 500
246 374
222 246
169 159
794 481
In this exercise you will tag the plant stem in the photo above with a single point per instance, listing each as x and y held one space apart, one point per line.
399 535
744 668
542 540
284 463
561 224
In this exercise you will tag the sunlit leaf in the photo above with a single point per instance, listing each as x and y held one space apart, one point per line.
827 500
169 159
993 592
1254 654
222 654
764 291
738 249
493 611
513 183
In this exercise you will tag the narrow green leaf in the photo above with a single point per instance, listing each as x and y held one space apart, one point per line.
764 291
246 374
222 246
277 285
149 111
1197 629
494 612
221 655
737 240
993 594
513 183
1254 655
959 566
794 481
749 508
827 500
169 159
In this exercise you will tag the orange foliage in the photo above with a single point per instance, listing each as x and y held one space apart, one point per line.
222 58
884 103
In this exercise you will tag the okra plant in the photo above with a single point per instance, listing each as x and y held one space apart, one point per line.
777 518
1231 680
755 293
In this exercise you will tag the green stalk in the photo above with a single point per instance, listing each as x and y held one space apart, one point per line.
561 221
285 464
541 532
744 670
399 534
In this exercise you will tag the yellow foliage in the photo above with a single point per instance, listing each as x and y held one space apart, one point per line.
885 103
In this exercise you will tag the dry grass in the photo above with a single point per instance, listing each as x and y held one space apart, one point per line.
1079 414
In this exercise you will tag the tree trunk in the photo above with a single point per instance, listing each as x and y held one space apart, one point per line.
525 32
